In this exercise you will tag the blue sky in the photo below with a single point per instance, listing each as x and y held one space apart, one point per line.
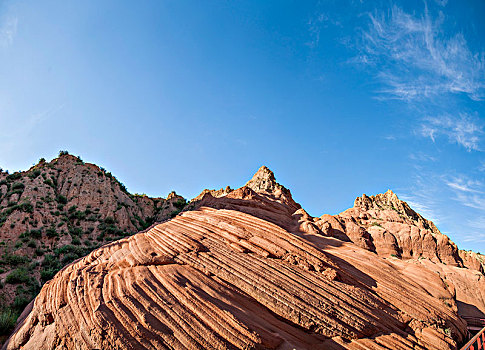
338 98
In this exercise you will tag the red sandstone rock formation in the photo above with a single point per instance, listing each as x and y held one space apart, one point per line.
250 269
59 211
473 260
388 226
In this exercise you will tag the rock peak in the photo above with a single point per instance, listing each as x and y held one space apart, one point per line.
263 180
390 201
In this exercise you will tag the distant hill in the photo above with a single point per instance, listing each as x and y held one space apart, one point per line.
57 212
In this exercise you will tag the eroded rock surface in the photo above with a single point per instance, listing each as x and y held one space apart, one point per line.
388 226
59 211
249 268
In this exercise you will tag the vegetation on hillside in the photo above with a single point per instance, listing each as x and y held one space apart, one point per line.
52 215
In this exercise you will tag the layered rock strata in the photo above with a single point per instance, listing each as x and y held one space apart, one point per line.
251 269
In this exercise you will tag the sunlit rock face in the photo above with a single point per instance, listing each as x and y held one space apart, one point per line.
249 268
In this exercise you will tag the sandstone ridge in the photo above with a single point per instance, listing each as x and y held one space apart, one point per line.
249 268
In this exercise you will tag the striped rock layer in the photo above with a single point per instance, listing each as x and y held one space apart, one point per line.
245 270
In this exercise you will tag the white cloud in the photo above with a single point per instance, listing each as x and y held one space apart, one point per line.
478 223
422 197
468 192
417 60
475 201
477 232
463 130
8 29
465 185
421 157
425 210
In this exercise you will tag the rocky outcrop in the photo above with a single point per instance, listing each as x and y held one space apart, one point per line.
388 226
472 260
59 211
251 269
264 182
214 193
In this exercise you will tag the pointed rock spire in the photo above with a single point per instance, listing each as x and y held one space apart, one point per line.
264 180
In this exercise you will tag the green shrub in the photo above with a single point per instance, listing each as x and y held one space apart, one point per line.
47 274
51 232
31 234
21 302
180 203
49 183
50 266
14 260
61 199
26 207
17 276
18 185
77 215
8 318
14 176
68 258
75 231
63 153
17 191
34 174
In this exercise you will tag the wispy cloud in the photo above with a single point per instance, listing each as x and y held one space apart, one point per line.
477 233
416 59
426 210
423 199
463 130
316 24
478 223
465 185
468 192
421 157
8 29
